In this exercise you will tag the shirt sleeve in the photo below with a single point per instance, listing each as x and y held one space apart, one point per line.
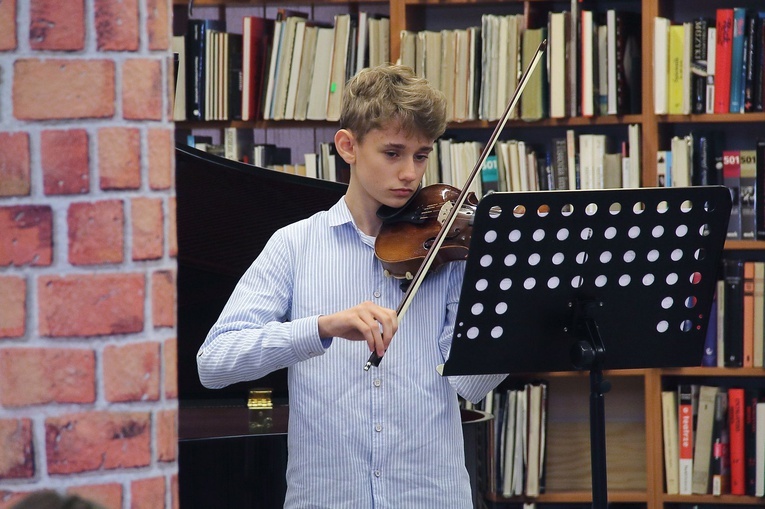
471 387
253 335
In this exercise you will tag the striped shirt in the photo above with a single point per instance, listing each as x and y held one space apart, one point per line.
390 437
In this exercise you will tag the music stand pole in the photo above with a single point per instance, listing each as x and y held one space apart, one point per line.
590 353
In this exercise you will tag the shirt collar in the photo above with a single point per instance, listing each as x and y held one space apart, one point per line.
340 215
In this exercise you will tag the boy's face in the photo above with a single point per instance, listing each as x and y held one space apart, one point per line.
390 163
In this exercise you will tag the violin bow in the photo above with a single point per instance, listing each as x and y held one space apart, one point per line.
374 359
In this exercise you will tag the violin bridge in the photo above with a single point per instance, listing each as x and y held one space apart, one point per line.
446 209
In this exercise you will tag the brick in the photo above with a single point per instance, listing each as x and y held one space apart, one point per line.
148 223
65 161
131 372
103 304
158 24
108 496
96 232
26 235
89 441
33 376
170 361
57 25
14 162
176 504
161 147
116 24
63 89
17 460
142 89
9 499
119 157
7 33
163 298
148 493
167 435
172 235
13 313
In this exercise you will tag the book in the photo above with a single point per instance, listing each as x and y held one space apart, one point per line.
587 63
747 193
733 335
720 449
337 69
179 61
533 101
759 474
558 41
732 180
759 188
685 439
723 55
676 79
197 55
320 80
670 437
699 65
305 74
737 61
752 396
660 65
758 339
737 447
711 66
747 326
702 450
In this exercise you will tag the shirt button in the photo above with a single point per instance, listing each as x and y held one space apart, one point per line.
378 427
377 382
377 294
378 473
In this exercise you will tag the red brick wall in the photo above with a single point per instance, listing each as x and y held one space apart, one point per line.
88 391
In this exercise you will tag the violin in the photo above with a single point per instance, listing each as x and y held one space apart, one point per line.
451 210
407 235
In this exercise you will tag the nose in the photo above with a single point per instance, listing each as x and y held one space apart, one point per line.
408 170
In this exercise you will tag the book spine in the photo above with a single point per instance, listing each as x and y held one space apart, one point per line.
720 451
737 446
685 439
723 53
732 180
734 304
699 66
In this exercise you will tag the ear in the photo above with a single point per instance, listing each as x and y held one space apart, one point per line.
345 144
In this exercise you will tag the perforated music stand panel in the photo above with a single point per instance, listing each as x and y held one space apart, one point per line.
642 261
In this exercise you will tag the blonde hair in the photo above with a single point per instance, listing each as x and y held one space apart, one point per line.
379 95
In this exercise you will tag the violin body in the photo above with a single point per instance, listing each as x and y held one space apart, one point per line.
406 236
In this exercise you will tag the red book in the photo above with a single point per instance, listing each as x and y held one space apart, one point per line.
685 438
257 35
748 346
736 448
723 56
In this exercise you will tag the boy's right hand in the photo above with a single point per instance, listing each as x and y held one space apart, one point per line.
364 322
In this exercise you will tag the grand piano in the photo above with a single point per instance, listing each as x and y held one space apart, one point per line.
229 455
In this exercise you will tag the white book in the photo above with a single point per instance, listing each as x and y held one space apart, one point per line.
519 464
284 67
509 452
179 99
557 57
574 59
598 156
294 73
633 137
339 59
462 61
523 166
571 159
711 62
362 41
448 69
660 65
759 487
305 77
586 162
587 79
702 451
317 102
670 434
681 161
687 56
611 60
504 67
272 70
311 165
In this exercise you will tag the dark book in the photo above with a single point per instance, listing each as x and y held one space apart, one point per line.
733 325
257 38
706 149
759 94
751 59
752 396
732 180
196 36
699 66
560 163
628 75
759 200
709 357
720 448
235 76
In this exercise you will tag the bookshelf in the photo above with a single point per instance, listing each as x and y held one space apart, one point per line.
633 406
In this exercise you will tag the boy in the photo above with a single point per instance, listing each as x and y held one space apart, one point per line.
390 437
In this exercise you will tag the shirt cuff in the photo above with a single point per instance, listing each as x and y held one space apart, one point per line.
305 336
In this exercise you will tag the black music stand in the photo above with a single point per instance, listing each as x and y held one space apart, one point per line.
611 279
